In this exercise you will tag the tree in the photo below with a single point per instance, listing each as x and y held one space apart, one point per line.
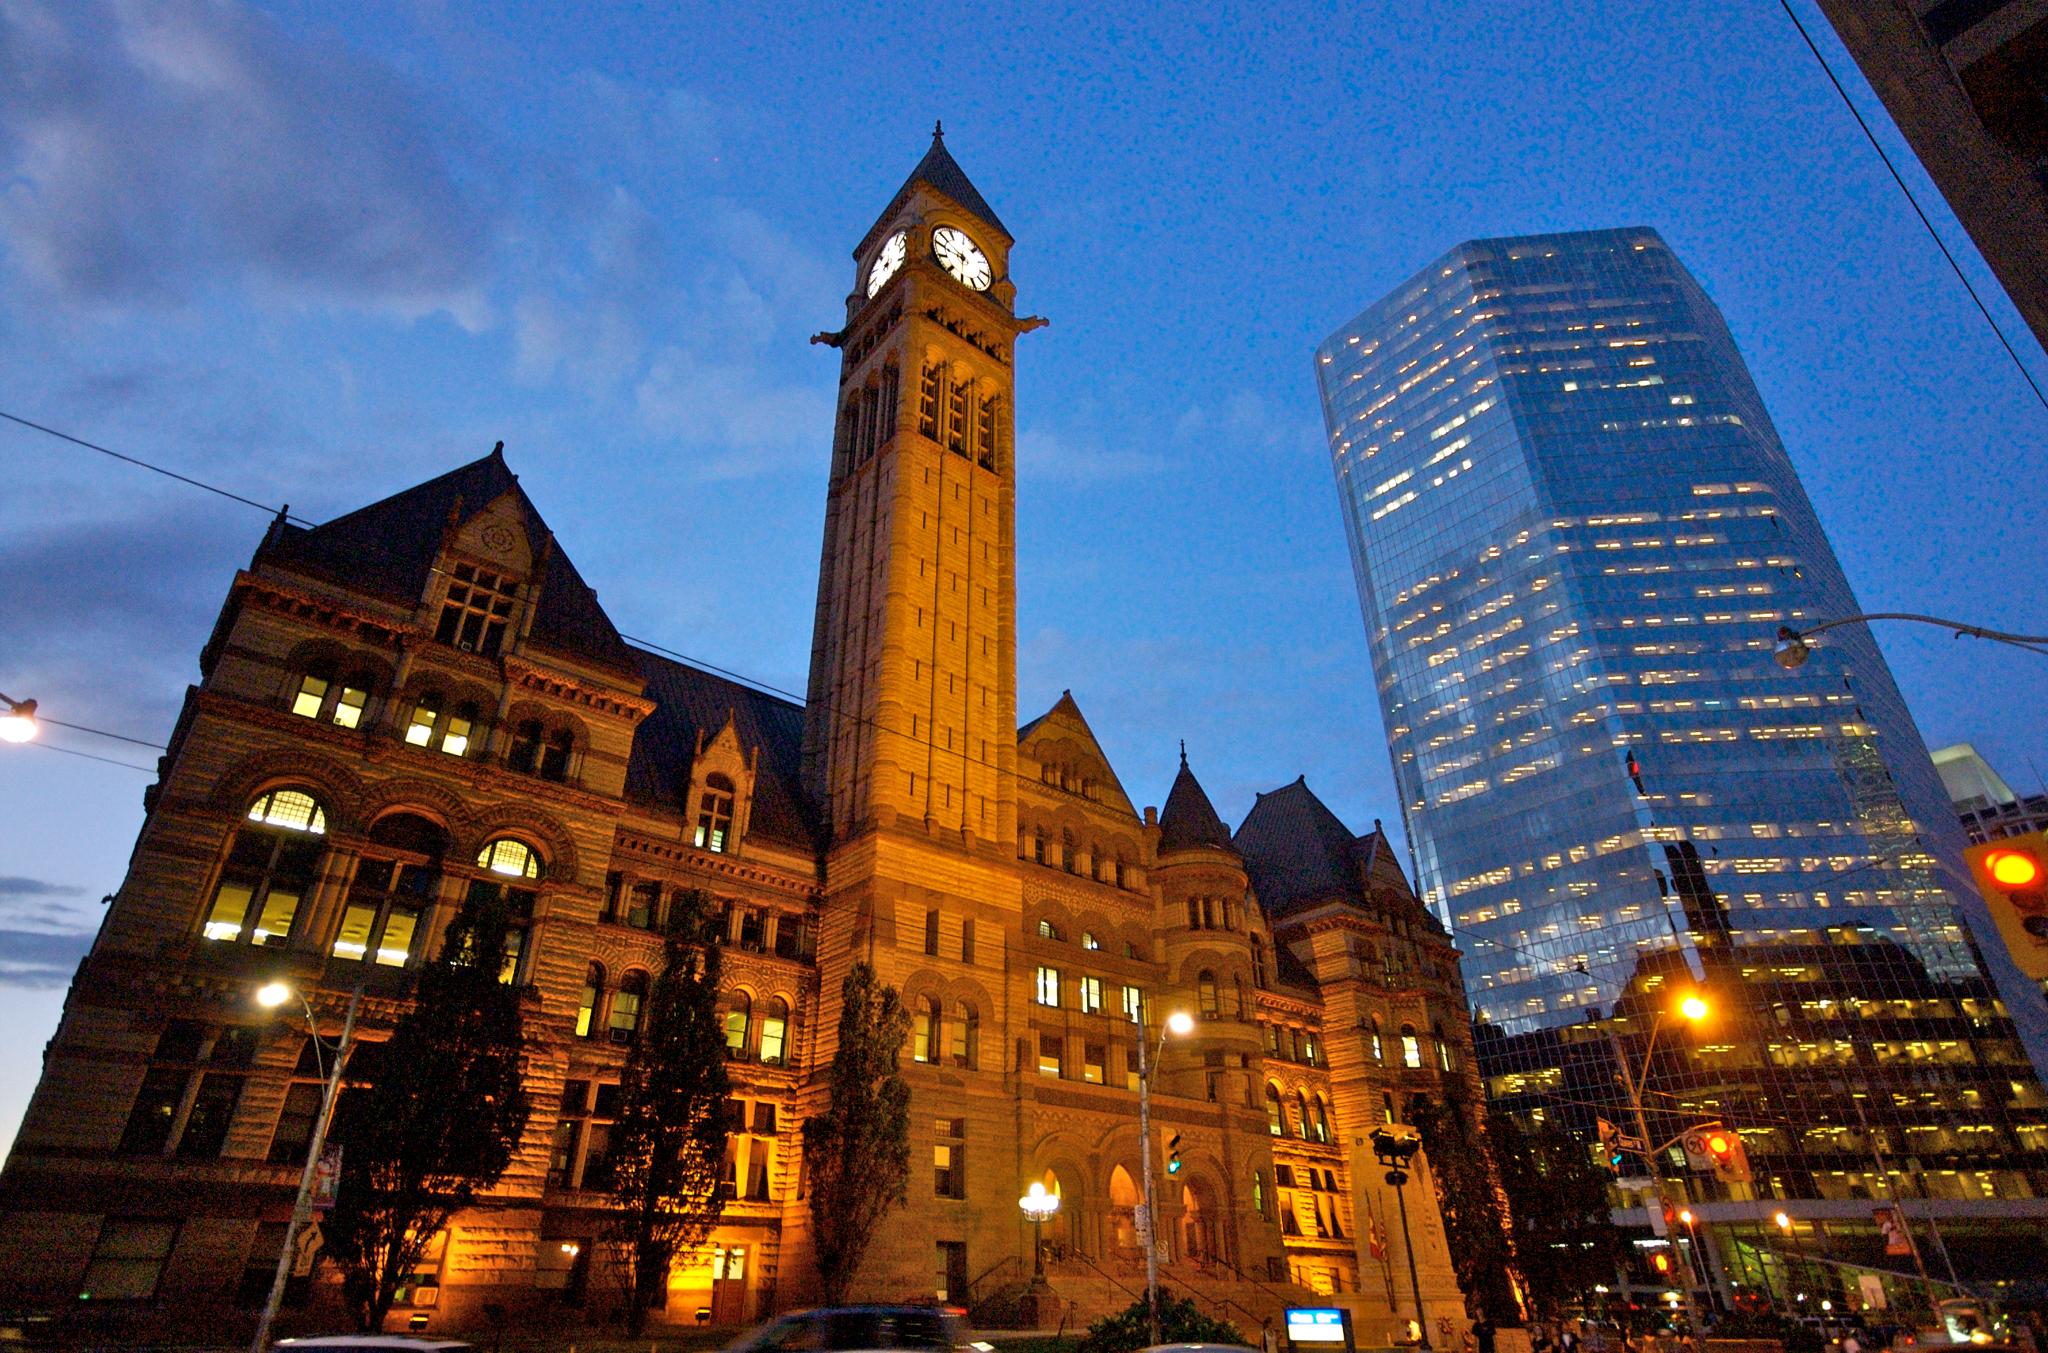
1468 1198
1180 1322
440 1120
1565 1241
668 1145
858 1150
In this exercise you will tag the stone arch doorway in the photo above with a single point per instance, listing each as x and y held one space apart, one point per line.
1061 1230
1124 1198
1198 1220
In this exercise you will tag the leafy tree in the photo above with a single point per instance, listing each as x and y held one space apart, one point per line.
1180 1322
1565 1242
668 1146
1467 1196
439 1122
858 1150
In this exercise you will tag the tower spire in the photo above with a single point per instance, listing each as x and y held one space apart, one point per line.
938 130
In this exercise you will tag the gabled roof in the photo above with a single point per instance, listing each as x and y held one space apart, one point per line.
1189 819
1065 711
389 549
690 702
1296 851
938 169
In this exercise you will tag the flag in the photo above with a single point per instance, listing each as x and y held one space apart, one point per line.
1375 1239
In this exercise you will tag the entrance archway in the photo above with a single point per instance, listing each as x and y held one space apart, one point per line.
1124 1197
1197 1221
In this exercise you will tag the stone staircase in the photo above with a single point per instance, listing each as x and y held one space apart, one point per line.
1093 1288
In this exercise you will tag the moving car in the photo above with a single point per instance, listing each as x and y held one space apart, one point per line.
856 1329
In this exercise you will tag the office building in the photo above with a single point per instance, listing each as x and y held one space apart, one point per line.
1575 534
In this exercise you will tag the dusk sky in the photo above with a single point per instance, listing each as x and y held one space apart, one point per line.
316 254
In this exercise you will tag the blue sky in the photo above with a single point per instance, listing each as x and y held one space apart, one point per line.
317 253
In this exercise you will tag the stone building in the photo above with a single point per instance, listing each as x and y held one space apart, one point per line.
422 700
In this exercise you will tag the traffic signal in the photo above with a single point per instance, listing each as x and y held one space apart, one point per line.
2012 874
1660 1260
1173 1154
1610 1144
1720 1150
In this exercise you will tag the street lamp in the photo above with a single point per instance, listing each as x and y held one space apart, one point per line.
271 996
1394 1150
17 720
1180 1024
1792 649
1694 1008
1038 1208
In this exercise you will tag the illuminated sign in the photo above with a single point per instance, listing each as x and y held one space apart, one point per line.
1315 1325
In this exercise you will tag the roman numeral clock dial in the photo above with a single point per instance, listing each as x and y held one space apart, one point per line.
887 260
959 256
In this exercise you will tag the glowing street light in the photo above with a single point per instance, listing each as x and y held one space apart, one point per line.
17 720
1694 1007
1784 1222
1038 1205
1180 1024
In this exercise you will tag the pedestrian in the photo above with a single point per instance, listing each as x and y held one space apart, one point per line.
1567 1339
1482 1334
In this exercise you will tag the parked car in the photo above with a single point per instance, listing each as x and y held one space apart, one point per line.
856 1329
372 1343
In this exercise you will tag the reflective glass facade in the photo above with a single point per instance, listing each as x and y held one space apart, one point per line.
1576 534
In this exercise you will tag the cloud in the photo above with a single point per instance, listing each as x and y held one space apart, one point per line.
41 960
1047 457
14 888
742 421
151 150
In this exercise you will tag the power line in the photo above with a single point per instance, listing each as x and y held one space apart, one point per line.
1939 243
71 751
153 469
101 733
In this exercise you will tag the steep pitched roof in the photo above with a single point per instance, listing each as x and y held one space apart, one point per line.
1065 711
1189 819
690 702
389 548
938 169
1296 851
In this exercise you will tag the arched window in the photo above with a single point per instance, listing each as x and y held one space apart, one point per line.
1379 1052
1120 867
1067 851
1205 992
1322 1106
586 1004
627 1001
554 758
1387 1104
774 1031
1276 1115
524 753
269 870
1048 931
925 1031
1258 962
1239 1010
394 885
1301 1111
1411 1047
714 813
1444 1060
1259 1192
512 868
319 696
965 1032
736 1017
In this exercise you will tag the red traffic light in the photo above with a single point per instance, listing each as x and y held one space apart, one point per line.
1661 1262
2013 868
1719 1145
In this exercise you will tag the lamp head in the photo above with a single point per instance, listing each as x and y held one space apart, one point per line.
1783 1221
18 722
1694 1007
1791 650
272 994
1180 1024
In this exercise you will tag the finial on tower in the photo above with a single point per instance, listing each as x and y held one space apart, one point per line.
1183 753
938 130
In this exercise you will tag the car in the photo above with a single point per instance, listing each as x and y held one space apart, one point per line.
372 1343
856 1329
1198 1348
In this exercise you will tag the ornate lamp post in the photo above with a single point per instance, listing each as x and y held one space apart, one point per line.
1395 1150
1694 1009
1180 1024
270 997
1038 1208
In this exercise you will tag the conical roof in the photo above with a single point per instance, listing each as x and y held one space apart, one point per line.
1189 819
1296 850
938 169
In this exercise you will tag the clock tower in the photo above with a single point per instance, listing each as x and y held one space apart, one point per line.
912 708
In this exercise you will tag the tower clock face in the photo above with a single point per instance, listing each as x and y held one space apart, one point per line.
958 255
887 262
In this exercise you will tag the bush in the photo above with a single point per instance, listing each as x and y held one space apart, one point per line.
1180 1322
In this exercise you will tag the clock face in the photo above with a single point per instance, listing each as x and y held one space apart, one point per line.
958 256
887 262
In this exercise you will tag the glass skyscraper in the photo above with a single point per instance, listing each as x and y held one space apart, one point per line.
1576 534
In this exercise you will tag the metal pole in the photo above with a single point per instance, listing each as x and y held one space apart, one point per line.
1145 1156
1398 1178
1635 1104
303 1206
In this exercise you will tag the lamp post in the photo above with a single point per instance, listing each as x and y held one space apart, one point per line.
1038 1208
1693 1008
270 997
1792 649
17 719
1395 1150
1180 1023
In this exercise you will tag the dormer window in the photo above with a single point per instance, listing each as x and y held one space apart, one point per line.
714 813
476 610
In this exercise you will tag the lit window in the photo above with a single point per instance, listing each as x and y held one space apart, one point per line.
348 706
1048 931
1134 1004
426 711
736 1026
1411 1047
1205 992
312 695
1088 940
455 737
925 1032
269 869
964 1032
1091 995
1276 1116
714 813
586 1004
514 859
1048 986
1051 1054
774 1031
